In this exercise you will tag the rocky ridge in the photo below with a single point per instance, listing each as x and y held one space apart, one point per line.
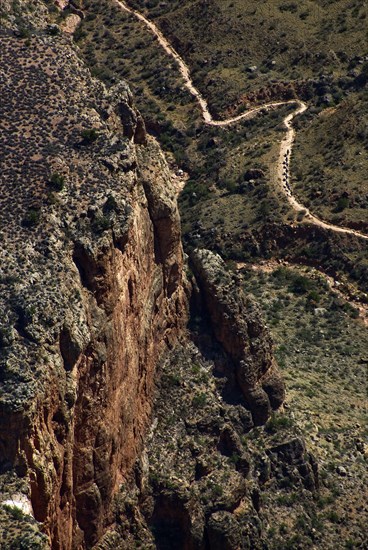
204 478
207 472
238 326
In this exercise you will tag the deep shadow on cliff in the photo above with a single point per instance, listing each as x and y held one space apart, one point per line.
238 326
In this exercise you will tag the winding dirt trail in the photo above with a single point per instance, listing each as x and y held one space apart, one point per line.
282 175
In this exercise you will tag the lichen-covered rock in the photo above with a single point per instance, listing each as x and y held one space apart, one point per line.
238 325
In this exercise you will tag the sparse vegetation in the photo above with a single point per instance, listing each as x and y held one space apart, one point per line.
32 217
303 41
231 207
278 422
89 135
102 223
199 400
330 162
57 181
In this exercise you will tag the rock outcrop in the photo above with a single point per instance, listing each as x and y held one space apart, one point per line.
92 290
291 459
208 479
238 326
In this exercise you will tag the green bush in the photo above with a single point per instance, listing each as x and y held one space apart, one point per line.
333 516
291 7
199 400
342 203
172 379
101 223
313 297
300 285
56 181
53 30
23 32
278 423
217 490
14 512
194 191
89 135
31 218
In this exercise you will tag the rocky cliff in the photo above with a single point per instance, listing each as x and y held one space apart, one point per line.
92 288
238 326
95 307
206 473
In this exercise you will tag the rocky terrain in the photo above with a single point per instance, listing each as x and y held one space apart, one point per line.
201 480
92 287
141 400
238 327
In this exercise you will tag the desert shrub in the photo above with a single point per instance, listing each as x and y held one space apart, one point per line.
313 297
333 516
194 190
300 285
23 32
56 181
172 379
101 223
217 490
301 214
278 423
199 400
14 512
31 218
291 7
230 186
53 30
89 135
342 203
110 204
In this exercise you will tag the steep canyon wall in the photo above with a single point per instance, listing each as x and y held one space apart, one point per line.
92 287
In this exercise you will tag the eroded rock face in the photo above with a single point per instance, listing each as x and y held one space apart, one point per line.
92 289
238 326
296 462
208 479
